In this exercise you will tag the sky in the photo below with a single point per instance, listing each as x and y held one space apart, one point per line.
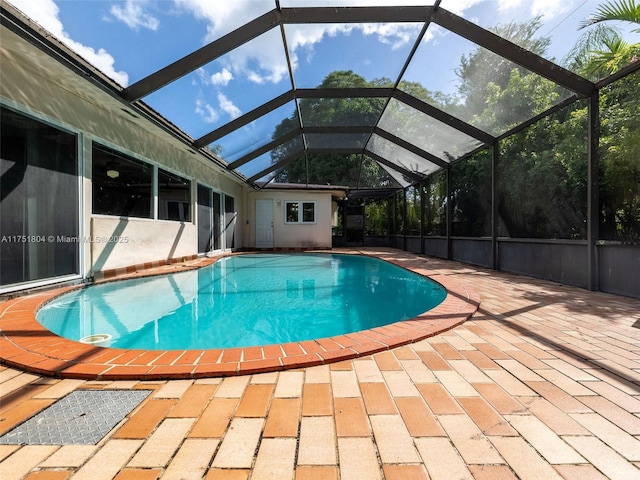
130 39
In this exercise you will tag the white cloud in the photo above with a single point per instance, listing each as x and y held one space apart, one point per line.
228 107
545 8
206 111
264 61
460 6
134 16
222 78
46 14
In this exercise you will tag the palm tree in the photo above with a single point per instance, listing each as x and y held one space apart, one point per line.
601 51
622 10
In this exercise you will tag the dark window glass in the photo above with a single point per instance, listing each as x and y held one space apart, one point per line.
217 221
229 221
39 204
174 197
205 219
122 186
292 212
308 212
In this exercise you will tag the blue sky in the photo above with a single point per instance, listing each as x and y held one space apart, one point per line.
130 39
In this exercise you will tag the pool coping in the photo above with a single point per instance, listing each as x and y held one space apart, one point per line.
28 346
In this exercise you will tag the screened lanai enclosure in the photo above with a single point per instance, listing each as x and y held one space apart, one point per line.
484 138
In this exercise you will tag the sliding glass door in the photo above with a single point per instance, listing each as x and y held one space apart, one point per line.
39 201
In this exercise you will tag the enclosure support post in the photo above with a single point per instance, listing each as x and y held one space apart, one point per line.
593 196
422 204
495 156
404 215
449 214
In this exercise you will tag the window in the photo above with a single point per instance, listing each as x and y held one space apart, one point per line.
174 197
230 217
300 212
122 186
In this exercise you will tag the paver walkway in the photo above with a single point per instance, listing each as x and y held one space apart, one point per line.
543 382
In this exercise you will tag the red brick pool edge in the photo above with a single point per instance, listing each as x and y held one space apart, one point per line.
28 346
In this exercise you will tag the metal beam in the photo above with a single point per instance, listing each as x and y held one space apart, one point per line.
395 14
593 191
444 117
281 164
411 147
264 149
513 52
202 56
407 173
244 119
360 92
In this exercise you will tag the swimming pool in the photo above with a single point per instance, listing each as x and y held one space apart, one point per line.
244 300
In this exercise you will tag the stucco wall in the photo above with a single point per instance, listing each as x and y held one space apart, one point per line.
120 242
37 85
316 235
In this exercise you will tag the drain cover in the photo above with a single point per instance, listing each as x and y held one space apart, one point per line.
83 417
97 338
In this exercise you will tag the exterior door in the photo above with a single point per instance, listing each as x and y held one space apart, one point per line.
264 223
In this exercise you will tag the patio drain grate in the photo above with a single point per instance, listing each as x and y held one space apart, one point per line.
82 417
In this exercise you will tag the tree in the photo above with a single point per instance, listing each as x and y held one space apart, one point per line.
621 10
334 169
481 69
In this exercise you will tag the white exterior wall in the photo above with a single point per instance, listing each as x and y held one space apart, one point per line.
316 235
37 85
121 242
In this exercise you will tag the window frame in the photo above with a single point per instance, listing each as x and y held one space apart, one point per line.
300 220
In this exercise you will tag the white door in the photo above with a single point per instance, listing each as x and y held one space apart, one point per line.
264 223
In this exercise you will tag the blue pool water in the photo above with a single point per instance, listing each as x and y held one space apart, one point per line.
243 300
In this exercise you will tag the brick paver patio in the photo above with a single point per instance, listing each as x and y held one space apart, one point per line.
543 382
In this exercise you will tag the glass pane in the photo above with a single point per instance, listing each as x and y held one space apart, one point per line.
174 197
333 169
373 175
434 192
412 196
620 160
542 178
471 196
122 186
377 216
552 30
258 133
308 212
230 216
477 85
217 220
153 29
349 3
336 140
340 112
205 219
400 156
39 202
398 214
213 94
370 54
426 132
295 172
291 212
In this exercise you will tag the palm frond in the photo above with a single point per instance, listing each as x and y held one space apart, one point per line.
622 10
